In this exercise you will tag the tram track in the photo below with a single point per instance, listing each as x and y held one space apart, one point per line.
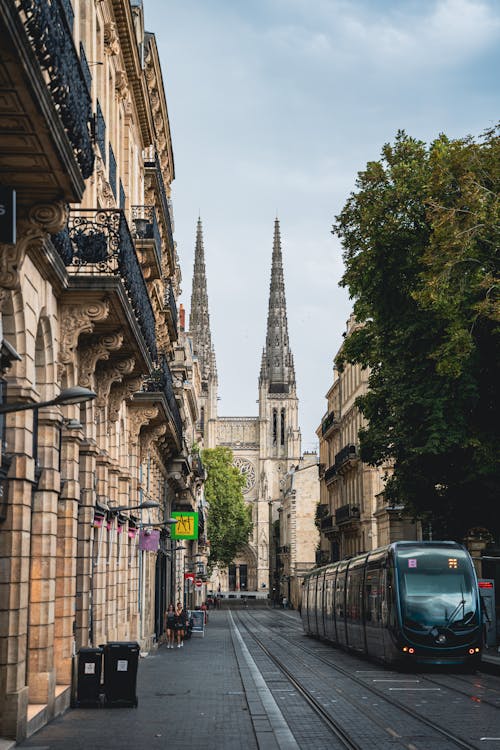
453 688
335 727
440 730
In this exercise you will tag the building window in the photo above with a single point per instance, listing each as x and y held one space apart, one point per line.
282 427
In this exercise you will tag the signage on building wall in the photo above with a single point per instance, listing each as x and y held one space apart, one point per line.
149 540
7 215
186 526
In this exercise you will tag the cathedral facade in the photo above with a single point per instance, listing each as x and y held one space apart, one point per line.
265 446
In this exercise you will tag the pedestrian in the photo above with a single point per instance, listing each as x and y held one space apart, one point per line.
180 624
170 625
204 609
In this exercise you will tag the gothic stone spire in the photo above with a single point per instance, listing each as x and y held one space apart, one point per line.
199 319
277 360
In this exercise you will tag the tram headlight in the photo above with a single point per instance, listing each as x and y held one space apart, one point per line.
441 638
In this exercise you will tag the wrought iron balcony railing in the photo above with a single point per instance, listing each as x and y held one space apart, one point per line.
48 29
347 453
328 422
346 513
330 474
163 199
197 466
98 241
86 68
161 382
327 522
171 308
145 227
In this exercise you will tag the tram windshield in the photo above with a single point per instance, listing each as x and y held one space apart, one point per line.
436 588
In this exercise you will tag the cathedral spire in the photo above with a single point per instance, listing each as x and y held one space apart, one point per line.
277 359
199 319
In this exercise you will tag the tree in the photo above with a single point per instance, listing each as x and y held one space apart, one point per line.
421 238
229 518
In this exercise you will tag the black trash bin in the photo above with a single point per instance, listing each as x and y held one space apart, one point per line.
121 659
88 683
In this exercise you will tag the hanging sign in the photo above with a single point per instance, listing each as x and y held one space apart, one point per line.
149 540
186 526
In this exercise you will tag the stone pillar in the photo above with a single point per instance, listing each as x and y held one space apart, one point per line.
85 569
41 621
66 564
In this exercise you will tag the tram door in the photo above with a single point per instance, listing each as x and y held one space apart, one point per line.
328 605
339 603
373 606
354 605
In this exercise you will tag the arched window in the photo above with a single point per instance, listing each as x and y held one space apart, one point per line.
275 426
282 427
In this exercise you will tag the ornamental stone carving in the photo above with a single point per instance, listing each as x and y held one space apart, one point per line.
111 39
43 219
149 436
247 470
120 393
121 85
91 355
137 418
75 320
109 375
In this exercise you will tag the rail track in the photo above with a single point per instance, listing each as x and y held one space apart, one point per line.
335 726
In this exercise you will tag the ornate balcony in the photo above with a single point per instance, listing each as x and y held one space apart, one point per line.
346 458
171 311
98 243
161 382
328 423
154 167
197 466
347 514
48 29
330 474
147 236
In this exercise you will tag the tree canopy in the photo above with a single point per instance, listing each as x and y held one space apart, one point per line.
421 241
229 519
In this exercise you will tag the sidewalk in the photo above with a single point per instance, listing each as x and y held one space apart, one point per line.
188 697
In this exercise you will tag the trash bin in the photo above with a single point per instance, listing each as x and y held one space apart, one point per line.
88 684
120 672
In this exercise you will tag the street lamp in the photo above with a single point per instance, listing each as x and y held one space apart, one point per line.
74 395
146 505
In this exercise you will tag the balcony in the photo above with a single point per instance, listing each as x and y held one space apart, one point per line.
346 458
327 523
97 244
330 474
160 383
197 466
153 167
328 423
147 236
171 311
46 151
347 514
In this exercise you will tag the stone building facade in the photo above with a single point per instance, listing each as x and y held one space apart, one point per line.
298 534
88 291
265 446
353 515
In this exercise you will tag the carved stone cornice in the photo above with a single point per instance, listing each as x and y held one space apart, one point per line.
75 320
43 219
96 351
149 436
123 392
106 376
138 417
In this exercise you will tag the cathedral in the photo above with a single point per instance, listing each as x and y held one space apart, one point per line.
265 446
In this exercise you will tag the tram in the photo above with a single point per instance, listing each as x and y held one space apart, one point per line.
407 603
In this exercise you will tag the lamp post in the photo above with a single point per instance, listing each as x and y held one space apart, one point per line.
74 395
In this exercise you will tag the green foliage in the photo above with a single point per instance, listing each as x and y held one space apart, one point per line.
229 518
421 239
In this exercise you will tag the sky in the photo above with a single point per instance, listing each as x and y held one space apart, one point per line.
274 106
